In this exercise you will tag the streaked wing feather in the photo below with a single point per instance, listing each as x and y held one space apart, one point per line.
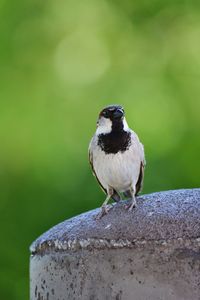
140 179
116 197
139 183
93 171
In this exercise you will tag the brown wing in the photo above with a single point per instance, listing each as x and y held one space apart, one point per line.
140 178
93 171
115 196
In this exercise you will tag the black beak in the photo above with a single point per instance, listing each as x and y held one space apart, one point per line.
118 113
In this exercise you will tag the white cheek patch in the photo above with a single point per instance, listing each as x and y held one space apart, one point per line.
104 126
126 128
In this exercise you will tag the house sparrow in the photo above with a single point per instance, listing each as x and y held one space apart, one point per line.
116 157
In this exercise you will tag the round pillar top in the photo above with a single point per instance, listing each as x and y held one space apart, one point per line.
160 216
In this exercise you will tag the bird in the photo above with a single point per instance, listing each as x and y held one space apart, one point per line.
117 157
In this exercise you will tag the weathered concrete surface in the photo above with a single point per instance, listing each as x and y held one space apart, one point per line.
150 253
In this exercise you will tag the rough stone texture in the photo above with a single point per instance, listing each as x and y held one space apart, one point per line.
150 253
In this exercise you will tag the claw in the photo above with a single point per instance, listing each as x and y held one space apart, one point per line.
130 206
104 211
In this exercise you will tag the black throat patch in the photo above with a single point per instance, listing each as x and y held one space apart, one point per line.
115 141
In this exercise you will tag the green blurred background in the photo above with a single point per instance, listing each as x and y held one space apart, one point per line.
60 63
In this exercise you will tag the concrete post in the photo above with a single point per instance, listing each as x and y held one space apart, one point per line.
151 253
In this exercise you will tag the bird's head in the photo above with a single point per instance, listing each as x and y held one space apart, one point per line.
111 118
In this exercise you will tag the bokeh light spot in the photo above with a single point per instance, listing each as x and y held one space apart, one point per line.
81 58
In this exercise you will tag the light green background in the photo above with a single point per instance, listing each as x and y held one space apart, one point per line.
60 63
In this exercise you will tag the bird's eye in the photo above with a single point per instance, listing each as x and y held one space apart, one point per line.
105 113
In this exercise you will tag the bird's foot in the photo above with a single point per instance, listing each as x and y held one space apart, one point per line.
131 205
104 211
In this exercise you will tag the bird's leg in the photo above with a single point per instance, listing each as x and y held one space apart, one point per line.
104 208
133 200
